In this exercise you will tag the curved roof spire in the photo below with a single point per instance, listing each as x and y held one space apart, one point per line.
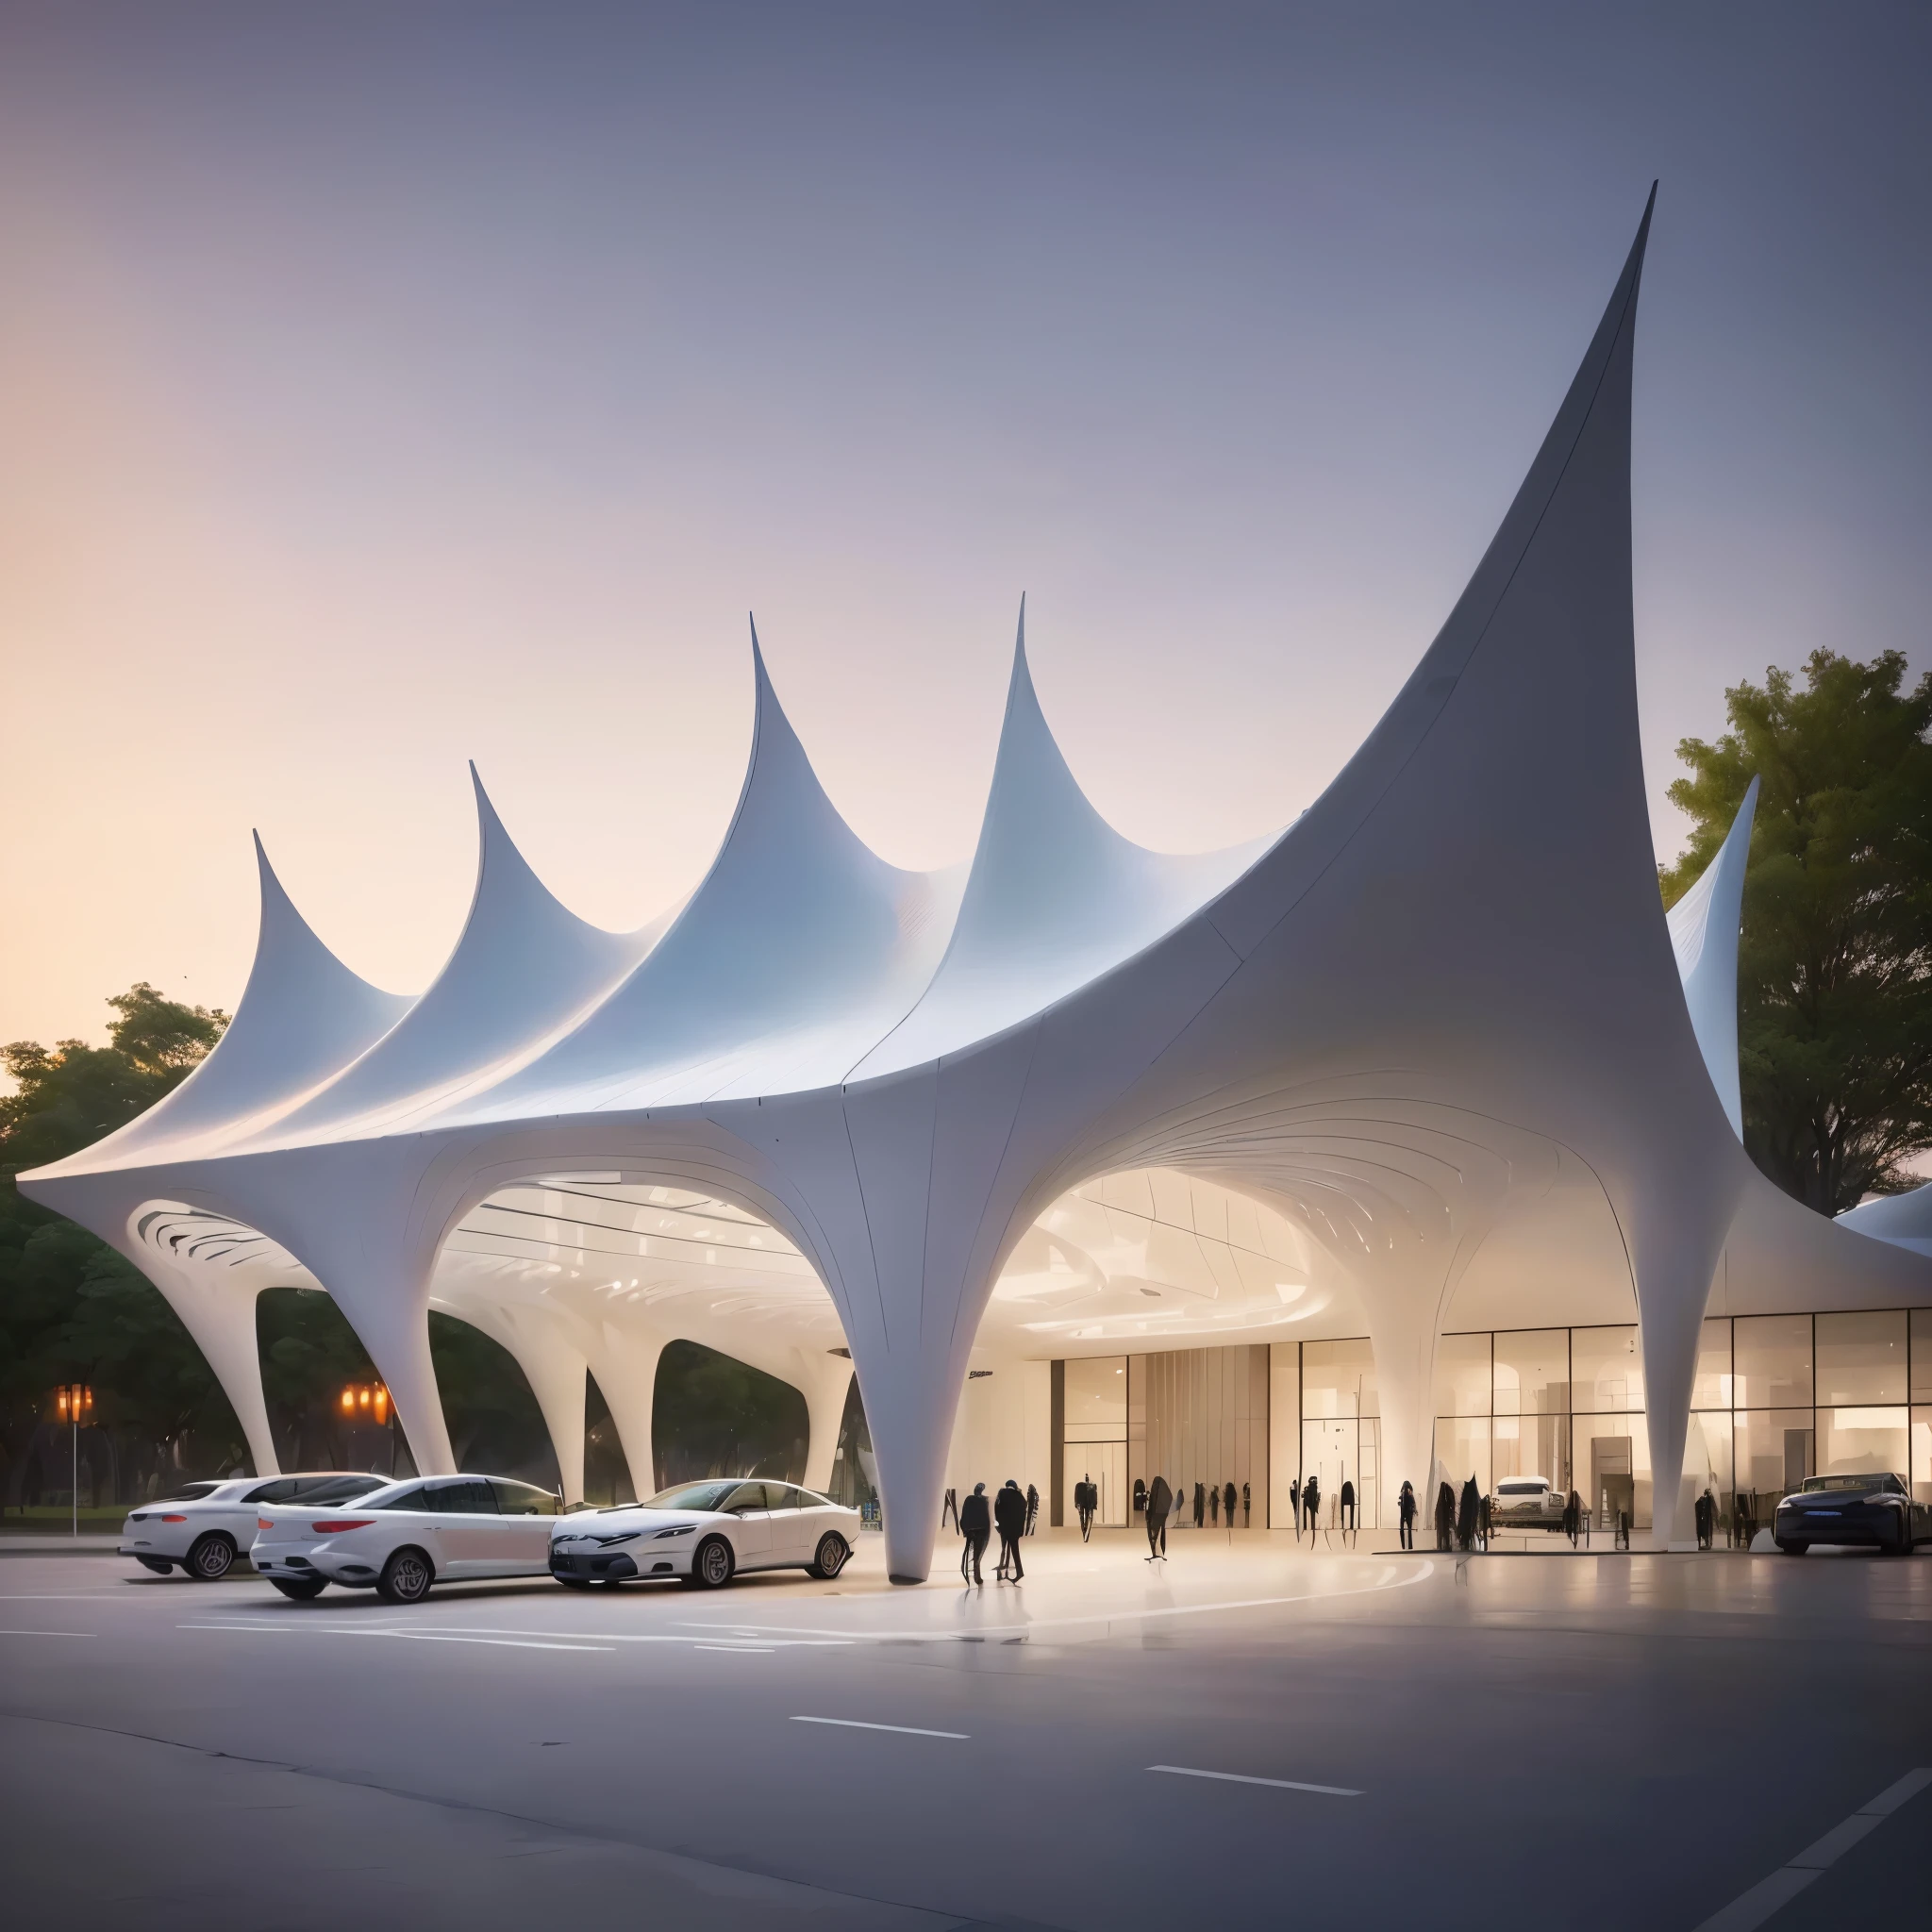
1704 934
800 947
1054 897
303 1016
523 965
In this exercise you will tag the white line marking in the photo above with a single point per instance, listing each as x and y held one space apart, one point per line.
1752 1909
737 1649
1235 1777
48 1633
852 1724
414 1635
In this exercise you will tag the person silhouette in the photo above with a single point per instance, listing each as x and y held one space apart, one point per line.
1086 1500
1247 1507
1405 1512
976 1526
950 1507
1311 1508
1214 1507
1294 1502
1200 1506
1009 1517
1227 1505
1032 1507
1347 1514
1468 1511
1573 1517
1445 1517
1159 1501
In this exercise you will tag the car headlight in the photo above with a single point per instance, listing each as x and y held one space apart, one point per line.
573 1538
623 1535
682 1529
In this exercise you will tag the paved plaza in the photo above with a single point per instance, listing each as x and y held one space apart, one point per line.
1244 1736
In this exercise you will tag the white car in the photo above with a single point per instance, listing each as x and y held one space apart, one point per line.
205 1526
1527 1502
704 1534
400 1539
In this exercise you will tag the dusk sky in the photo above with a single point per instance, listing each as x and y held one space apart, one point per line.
386 387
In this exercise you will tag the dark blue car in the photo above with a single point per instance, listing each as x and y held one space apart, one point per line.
1876 1509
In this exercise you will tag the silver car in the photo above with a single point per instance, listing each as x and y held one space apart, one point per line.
704 1534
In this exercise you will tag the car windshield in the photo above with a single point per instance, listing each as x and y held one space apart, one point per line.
190 1492
691 1496
1814 1484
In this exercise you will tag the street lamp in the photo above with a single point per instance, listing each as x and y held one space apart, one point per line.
73 1401
368 1402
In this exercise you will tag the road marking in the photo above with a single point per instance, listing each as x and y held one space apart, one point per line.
1752 1909
737 1649
852 1724
48 1633
1235 1777
413 1636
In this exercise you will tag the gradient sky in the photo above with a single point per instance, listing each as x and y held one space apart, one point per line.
382 387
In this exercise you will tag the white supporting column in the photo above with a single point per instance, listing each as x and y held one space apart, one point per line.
826 1381
1674 1266
625 1366
555 1371
221 1319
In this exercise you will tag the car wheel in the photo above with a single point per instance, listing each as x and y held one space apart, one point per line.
831 1557
210 1558
712 1563
303 1588
1791 1549
155 1563
405 1577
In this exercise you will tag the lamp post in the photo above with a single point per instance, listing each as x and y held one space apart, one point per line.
73 1401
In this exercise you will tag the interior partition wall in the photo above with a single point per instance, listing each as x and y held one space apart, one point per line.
1200 1417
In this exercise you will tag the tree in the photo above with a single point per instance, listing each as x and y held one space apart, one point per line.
1835 964
70 1308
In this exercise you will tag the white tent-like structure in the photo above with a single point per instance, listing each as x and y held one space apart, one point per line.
1440 1022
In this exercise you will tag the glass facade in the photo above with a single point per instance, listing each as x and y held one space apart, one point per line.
1775 1398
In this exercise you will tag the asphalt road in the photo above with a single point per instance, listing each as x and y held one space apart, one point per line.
1246 1737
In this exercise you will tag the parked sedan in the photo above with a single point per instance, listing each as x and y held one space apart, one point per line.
205 1526
1527 1502
704 1534
1852 1509
400 1539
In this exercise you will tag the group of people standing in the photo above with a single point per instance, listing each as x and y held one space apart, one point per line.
1013 1512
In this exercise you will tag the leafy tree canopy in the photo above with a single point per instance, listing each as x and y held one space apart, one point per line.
1835 964
70 1308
